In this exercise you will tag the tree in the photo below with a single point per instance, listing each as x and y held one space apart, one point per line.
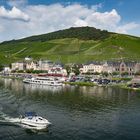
29 71
105 74
39 71
124 74
115 73
75 69
96 73
20 71
68 69
1 67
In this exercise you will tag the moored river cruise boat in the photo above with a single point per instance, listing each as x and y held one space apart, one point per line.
43 81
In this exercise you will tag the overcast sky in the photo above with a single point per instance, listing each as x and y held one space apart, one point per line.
22 18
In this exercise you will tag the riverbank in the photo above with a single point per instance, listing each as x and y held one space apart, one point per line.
89 84
119 85
81 83
130 88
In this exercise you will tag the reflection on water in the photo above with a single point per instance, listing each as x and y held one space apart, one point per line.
33 87
75 112
67 96
18 86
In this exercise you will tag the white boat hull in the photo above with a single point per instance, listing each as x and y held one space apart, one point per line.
35 124
33 127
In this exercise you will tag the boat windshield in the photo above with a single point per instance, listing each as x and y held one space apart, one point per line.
30 114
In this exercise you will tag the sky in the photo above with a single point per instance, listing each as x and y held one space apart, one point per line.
22 18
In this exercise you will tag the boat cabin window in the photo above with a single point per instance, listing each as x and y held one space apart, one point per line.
40 118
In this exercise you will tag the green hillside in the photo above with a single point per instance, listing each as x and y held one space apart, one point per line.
87 45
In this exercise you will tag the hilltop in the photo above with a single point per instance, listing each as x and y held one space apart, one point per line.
79 44
83 33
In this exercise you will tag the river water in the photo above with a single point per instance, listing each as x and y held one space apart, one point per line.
76 113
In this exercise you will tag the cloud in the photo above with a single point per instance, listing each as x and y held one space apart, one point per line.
1 28
47 18
127 27
14 13
104 20
80 22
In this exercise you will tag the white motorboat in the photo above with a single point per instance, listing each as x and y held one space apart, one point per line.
43 81
31 121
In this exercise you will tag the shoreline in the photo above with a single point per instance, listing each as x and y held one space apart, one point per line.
88 84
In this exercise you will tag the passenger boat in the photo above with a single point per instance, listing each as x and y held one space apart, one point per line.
43 81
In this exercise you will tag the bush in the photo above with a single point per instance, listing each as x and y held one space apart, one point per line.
105 74
29 71
1 67
20 71
124 74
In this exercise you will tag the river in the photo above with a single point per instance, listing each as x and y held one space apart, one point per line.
76 113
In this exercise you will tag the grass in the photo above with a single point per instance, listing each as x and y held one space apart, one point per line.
130 88
122 78
81 83
71 50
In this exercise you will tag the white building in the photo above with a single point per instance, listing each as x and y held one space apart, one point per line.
58 69
45 65
32 65
18 66
28 58
6 70
92 68
137 68
108 67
